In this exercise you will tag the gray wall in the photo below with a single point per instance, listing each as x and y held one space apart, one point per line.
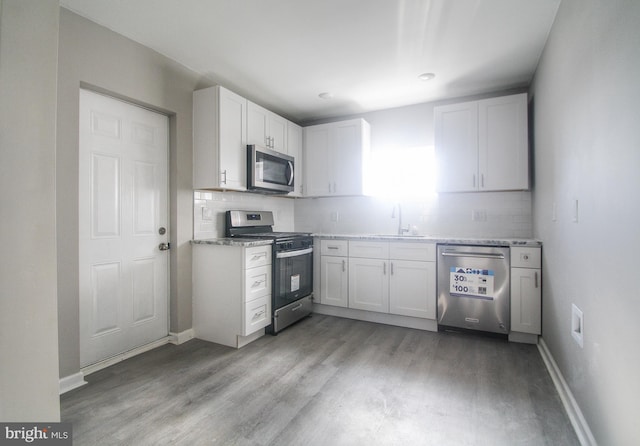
90 55
587 147
28 313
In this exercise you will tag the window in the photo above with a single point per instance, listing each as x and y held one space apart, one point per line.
401 172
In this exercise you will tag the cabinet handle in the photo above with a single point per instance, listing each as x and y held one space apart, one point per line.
257 256
392 268
474 180
344 266
482 180
333 247
258 315
224 172
384 268
258 282
535 279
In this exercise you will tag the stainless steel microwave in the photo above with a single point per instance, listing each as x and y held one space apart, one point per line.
269 171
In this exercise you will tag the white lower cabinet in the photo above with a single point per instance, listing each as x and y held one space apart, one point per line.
393 277
412 289
231 293
369 284
334 277
526 291
334 273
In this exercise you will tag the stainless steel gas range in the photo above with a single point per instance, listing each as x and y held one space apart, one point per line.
292 292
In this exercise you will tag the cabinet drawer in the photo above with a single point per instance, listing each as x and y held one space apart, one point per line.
257 282
257 315
369 250
425 252
334 248
526 257
257 256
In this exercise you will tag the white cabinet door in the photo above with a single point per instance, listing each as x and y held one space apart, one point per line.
334 155
369 284
316 161
482 145
265 128
294 149
347 156
456 143
412 288
257 125
526 294
219 139
334 272
503 143
278 132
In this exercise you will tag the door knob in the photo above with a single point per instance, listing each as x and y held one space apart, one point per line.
162 231
164 246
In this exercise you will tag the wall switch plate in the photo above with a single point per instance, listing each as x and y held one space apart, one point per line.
207 213
577 325
479 215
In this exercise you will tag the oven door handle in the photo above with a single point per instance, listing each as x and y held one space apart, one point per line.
300 252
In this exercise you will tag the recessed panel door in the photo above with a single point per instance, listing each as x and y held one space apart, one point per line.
123 227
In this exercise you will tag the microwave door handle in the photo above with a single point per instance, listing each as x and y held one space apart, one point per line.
290 182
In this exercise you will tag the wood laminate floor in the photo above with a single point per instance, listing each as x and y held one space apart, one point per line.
325 381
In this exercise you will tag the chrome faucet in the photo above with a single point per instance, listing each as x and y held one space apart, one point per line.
401 230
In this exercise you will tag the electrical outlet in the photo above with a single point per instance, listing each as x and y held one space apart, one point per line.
577 325
207 213
479 215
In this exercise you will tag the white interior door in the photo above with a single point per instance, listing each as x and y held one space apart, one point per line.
123 219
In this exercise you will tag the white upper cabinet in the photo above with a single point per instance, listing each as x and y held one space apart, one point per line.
482 145
265 128
219 139
294 149
334 154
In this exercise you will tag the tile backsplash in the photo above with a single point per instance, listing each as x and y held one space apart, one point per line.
483 214
209 208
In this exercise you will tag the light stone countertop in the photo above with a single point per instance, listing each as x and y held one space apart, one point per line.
434 239
228 241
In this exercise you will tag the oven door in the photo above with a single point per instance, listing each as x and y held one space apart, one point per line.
293 276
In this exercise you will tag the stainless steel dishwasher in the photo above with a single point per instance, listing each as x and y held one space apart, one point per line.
473 287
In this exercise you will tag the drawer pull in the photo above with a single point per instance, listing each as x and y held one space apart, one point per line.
258 283
333 247
258 315
258 256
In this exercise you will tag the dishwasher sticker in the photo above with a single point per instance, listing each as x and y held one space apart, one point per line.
471 282
295 282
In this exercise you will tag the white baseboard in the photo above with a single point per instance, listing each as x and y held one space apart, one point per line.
182 337
578 421
126 355
72 382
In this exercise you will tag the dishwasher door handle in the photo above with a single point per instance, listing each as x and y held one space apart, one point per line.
486 255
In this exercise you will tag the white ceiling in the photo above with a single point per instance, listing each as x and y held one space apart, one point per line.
367 53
